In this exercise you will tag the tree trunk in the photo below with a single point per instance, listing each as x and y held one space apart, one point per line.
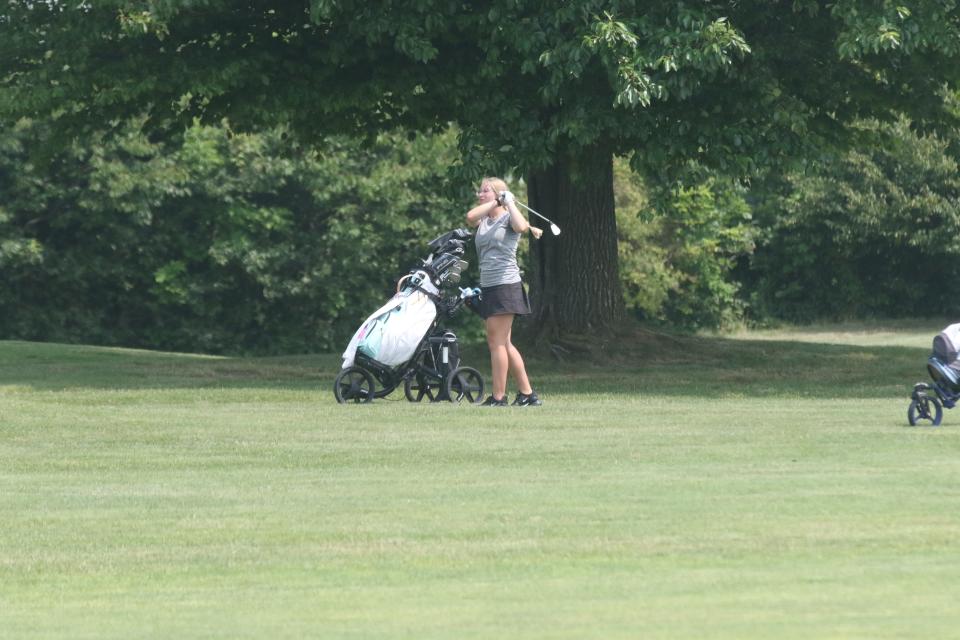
574 279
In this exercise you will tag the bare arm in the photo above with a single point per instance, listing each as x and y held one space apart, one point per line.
517 221
479 212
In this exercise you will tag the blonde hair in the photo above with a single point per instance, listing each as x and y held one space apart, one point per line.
497 184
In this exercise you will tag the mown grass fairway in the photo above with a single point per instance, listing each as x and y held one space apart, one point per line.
754 487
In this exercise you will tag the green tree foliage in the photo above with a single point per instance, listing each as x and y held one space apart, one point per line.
222 242
18 250
868 233
646 277
679 248
553 89
227 242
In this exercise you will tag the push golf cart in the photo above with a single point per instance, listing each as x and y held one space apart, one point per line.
405 343
929 399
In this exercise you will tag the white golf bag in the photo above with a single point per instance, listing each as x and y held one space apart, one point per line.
394 331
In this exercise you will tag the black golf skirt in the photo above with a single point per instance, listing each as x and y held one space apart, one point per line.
503 299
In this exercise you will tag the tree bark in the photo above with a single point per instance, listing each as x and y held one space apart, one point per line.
574 280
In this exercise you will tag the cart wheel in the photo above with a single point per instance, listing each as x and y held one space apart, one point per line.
418 387
353 384
464 383
925 409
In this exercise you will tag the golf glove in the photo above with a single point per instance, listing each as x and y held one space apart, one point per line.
505 198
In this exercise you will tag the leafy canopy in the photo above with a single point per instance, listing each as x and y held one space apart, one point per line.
737 84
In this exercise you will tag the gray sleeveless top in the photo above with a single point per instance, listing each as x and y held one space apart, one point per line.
497 248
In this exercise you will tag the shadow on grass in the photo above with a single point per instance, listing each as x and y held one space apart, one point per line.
652 364
719 367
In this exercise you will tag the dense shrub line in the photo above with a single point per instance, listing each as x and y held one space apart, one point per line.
224 242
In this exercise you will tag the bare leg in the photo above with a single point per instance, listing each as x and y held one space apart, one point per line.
519 370
504 357
498 340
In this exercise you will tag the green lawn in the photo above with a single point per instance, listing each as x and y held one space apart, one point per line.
750 486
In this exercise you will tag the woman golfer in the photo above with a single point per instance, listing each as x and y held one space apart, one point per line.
499 226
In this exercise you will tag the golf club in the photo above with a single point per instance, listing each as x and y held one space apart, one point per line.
554 229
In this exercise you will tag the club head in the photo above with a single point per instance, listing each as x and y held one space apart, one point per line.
554 229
